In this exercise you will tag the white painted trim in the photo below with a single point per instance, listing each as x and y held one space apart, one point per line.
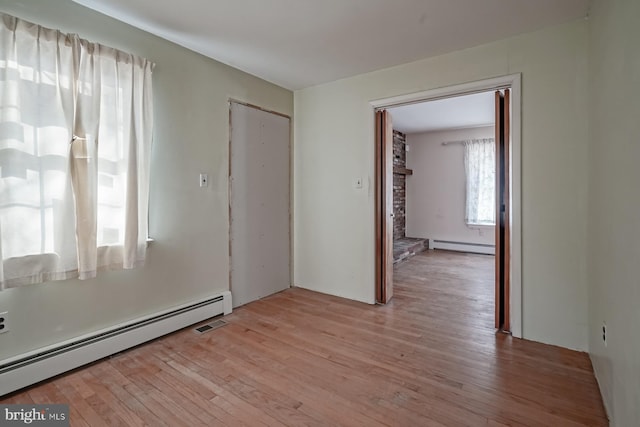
41 369
513 81
447 92
228 303
516 206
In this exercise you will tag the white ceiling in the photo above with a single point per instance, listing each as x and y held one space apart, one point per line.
451 113
301 43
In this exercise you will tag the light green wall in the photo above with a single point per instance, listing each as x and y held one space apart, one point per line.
190 256
334 222
614 205
333 137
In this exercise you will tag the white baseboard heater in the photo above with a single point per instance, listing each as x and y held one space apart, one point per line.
30 368
476 248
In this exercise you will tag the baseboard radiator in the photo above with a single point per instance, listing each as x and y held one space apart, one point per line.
30 368
476 248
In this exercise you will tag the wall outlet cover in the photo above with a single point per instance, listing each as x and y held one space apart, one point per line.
4 322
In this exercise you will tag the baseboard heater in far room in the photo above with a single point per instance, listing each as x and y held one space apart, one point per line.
475 248
30 368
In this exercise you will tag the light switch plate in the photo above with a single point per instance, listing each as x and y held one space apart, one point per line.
357 183
204 180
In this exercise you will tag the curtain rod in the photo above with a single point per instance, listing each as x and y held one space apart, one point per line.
465 140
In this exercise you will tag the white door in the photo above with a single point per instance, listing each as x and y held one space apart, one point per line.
259 199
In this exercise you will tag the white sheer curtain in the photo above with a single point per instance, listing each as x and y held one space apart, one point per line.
75 137
480 166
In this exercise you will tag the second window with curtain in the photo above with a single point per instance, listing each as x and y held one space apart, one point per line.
480 174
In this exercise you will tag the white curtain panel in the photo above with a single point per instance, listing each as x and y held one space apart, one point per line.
480 167
76 124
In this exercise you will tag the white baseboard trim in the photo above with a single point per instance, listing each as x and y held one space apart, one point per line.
476 248
35 366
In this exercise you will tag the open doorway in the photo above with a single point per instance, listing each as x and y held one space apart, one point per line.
446 196
439 201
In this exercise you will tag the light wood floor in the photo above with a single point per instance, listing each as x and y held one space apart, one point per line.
431 357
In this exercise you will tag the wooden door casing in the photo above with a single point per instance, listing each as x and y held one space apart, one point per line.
503 208
384 207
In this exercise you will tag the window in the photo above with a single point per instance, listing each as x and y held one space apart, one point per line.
480 167
75 140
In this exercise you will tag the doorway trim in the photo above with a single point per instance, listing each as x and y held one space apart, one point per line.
514 82
230 103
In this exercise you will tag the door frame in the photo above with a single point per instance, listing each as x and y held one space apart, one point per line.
384 206
513 82
230 102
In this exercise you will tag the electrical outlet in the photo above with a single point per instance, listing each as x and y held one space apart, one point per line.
4 322
604 333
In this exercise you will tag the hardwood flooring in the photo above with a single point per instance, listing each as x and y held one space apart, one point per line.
429 358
